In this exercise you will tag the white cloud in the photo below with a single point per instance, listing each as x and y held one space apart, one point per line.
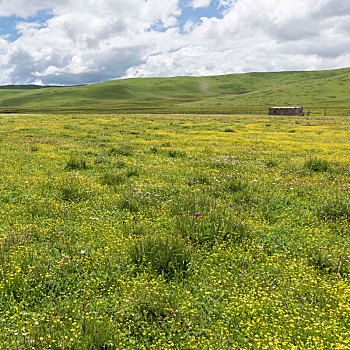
95 40
260 35
200 3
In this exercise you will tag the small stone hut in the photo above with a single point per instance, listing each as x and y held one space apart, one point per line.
286 111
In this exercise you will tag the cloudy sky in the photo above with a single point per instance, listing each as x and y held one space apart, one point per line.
86 41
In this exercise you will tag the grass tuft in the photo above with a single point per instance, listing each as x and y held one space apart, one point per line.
317 165
71 189
122 150
327 263
335 210
175 153
167 255
199 179
215 226
112 179
76 164
230 130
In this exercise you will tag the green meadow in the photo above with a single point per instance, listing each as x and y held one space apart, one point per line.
169 231
321 92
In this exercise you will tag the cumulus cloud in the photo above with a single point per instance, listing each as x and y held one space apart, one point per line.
95 40
200 3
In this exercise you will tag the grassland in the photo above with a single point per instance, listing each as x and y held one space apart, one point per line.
174 232
323 92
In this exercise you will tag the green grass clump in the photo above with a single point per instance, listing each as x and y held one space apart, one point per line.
76 164
199 179
210 228
71 189
173 153
167 255
317 165
112 179
326 263
153 303
335 210
235 185
122 150
132 172
230 130
270 163
154 150
133 201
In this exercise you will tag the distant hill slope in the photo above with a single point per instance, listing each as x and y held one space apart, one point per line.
231 93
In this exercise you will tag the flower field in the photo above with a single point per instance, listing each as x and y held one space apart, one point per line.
174 232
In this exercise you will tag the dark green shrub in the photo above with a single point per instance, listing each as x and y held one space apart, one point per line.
167 255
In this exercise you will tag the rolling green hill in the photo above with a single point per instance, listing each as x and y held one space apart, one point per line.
234 93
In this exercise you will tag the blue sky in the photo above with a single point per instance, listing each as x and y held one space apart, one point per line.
8 23
87 41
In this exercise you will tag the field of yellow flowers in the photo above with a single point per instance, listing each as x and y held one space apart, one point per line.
174 232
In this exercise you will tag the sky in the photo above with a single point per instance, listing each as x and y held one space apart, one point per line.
64 42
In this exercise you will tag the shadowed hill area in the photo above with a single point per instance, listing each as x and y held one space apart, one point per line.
320 91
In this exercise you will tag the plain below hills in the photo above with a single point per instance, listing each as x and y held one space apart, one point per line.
325 91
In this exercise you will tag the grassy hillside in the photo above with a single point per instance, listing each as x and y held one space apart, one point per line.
234 93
